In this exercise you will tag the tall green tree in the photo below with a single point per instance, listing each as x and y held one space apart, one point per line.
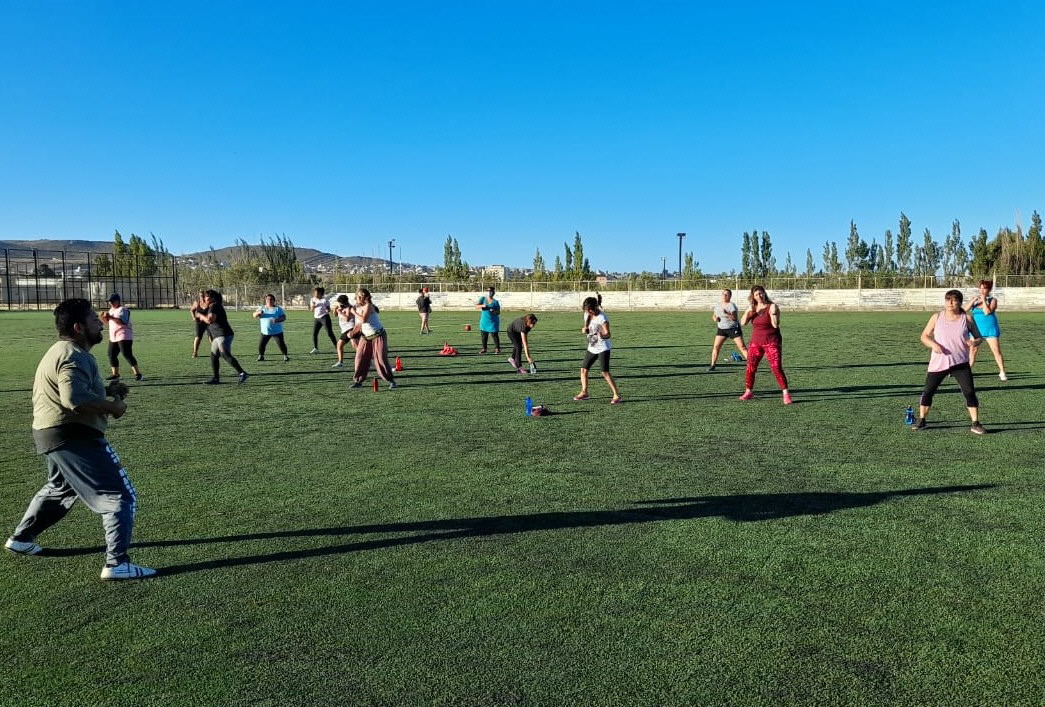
558 270
889 264
1035 245
904 246
568 267
856 251
836 264
767 263
454 268
954 256
756 255
810 264
581 268
121 256
280 261
539 270
745 256
690 268
932 254
983 255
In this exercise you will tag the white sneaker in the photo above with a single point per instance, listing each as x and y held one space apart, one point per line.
339 364
21 548
1003 377
392 385
127 570
314 351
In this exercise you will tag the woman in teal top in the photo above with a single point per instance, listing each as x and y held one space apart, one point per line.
489 320
983 310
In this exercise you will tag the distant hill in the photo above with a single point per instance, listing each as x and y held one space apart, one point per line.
309 257
57 244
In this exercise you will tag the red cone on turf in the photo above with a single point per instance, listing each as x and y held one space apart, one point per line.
399 364
375 385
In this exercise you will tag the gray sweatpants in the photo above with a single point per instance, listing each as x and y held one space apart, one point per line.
91 471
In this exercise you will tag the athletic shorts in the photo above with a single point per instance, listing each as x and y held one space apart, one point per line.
731 333
603 357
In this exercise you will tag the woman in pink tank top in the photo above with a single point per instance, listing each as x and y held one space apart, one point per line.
950 334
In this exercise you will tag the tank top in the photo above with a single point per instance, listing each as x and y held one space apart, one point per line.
762 329
951 337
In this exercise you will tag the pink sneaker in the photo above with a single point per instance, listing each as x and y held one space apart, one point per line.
617 401
787 398
581 396
747 395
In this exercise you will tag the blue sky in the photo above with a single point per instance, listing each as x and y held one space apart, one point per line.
342 125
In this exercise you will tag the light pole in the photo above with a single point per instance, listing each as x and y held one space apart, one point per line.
391 245
663 267
681 236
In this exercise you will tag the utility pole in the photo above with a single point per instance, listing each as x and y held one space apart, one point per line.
391 245
681 236
663 266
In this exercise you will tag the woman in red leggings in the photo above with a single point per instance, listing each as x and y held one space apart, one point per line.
764 316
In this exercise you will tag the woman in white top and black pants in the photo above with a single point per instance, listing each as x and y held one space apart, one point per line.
320 307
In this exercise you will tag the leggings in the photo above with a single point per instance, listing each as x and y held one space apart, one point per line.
265 342
221 348
320 323
496 338
375 349
517 346
770 350
124 347
962 374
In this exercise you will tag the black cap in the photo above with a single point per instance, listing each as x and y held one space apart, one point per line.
115 297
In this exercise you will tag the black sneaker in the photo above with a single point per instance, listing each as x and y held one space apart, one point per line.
212 381
138 376
977 429
261 358
919 424
113 378
711 369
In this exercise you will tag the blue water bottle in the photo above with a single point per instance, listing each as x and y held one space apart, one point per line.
529 407
908 416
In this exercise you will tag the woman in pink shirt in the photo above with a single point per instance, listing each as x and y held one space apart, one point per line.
121 337
947 335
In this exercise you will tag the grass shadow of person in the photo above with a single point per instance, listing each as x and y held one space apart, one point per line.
740 508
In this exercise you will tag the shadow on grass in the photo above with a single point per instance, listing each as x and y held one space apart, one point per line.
739 508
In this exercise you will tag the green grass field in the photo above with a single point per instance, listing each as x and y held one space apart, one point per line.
433 545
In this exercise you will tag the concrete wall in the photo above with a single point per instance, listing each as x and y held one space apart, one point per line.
1010 299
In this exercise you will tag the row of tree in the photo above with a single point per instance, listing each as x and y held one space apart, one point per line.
275 260
1010 252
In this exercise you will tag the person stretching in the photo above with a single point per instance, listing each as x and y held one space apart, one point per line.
947 335
764 316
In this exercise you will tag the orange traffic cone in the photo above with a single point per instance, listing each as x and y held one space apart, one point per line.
399 364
